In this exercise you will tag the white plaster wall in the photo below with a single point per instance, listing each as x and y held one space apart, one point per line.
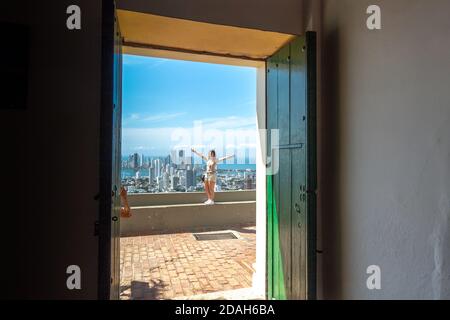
386 125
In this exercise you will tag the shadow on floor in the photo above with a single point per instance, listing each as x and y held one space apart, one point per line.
140 290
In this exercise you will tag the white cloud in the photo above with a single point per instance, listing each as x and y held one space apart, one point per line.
153 118
163 116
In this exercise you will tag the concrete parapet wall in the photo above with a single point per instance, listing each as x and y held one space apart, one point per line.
175 218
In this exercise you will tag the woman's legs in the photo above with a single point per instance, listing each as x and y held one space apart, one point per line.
212 185
207 189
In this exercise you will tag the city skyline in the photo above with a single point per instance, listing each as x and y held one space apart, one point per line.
247 159
177 172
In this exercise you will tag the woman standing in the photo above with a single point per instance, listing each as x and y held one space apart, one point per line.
211 173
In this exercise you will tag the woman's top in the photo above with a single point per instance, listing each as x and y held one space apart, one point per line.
211 165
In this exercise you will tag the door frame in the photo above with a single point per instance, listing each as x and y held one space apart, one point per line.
103 224
259 278
102 227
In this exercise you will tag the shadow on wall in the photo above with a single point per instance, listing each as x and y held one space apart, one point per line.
330 164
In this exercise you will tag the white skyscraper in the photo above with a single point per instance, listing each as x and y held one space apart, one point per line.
173 156
189 177
179 157
159 182
157 164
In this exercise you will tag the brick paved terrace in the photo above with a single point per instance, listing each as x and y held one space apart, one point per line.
170 266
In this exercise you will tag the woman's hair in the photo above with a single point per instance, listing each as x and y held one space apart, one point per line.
212 153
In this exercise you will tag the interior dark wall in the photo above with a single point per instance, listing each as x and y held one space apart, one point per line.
281 15
50 155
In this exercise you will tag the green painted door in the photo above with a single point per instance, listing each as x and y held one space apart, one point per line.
291 187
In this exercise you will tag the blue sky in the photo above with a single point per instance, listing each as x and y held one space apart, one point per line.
163 97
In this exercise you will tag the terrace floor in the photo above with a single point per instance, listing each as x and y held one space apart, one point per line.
170 266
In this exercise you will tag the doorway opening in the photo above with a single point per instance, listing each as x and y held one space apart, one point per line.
174 245
285 186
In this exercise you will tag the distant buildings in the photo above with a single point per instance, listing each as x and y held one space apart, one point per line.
177 173
249 180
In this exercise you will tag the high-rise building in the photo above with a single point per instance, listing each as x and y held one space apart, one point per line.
157 164
174 182
134 161
178 156
189 177
173 156
151 174
247 155
166 180
159 183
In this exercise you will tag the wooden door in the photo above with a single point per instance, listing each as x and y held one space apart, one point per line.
116 165
291 190
108 226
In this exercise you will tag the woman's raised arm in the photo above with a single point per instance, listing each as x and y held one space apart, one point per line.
225 158
199 154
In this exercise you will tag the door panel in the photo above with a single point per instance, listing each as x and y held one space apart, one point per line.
116 164
283 95
284 216
276 280
298 223
283 195
311 162
291 191
107 227
298 97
